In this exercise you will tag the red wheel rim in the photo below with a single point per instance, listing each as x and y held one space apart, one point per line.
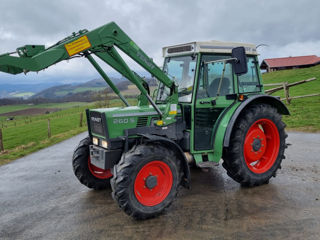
98 172
261 146
154 193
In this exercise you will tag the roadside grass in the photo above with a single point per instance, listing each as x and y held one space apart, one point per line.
305 112
30 135
305 115
22 150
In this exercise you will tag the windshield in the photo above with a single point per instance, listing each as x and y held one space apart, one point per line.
180 69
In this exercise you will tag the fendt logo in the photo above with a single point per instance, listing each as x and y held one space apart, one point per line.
96 119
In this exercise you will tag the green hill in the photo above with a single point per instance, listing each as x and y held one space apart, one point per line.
305 112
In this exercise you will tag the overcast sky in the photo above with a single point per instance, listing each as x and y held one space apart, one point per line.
290 28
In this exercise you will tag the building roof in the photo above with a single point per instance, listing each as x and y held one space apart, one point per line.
208 47
291 61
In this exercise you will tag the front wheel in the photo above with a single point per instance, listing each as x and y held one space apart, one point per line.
146 180
88 174
256 146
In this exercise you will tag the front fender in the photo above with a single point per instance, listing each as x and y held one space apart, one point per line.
221 130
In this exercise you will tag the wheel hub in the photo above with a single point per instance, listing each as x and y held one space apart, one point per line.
256 145
151 182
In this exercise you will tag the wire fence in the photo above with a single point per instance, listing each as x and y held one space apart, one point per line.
15 133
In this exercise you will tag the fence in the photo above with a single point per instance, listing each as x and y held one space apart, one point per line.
286 86
25 128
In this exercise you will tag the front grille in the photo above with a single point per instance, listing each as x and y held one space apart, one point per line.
142 121
96 123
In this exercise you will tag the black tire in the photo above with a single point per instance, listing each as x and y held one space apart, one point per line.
236 155
125 177
81 167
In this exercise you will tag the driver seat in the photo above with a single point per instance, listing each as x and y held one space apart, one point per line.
213 88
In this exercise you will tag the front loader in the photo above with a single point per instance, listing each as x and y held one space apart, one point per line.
209 105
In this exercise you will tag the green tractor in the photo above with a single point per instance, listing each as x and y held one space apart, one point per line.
209 105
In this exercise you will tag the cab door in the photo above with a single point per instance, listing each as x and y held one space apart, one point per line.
215 93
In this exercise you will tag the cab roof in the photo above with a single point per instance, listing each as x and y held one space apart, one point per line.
207 47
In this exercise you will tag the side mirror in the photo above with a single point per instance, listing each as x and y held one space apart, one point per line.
240 66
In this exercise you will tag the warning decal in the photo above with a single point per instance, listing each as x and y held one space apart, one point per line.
78 45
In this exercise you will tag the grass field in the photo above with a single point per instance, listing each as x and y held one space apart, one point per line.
79 90
305 112
27 134
11 108
23 94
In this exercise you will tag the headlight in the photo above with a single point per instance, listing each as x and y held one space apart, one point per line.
104 144
95 141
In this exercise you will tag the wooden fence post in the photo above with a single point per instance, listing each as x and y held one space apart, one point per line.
81 119
286 92
1 141
49 128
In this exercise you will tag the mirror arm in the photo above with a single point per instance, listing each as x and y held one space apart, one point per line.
222 60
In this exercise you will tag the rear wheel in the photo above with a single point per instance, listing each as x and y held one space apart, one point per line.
88 174
256 147
146 180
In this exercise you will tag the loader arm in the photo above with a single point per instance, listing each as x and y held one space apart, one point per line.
100 42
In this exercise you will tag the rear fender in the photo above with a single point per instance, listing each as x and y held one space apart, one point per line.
225 127
273 101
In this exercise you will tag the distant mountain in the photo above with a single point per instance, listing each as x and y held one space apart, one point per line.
26 87
61 91
10 90
100 82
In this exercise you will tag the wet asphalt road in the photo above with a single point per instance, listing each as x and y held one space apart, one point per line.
41 199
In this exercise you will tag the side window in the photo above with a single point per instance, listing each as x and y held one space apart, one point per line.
249 82
210 83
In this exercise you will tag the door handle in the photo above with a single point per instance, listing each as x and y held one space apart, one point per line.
212 102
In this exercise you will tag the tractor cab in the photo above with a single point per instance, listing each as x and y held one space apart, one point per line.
209 69
210 77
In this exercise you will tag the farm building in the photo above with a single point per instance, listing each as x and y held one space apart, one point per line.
275 64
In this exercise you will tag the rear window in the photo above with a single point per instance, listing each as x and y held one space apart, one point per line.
249 82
